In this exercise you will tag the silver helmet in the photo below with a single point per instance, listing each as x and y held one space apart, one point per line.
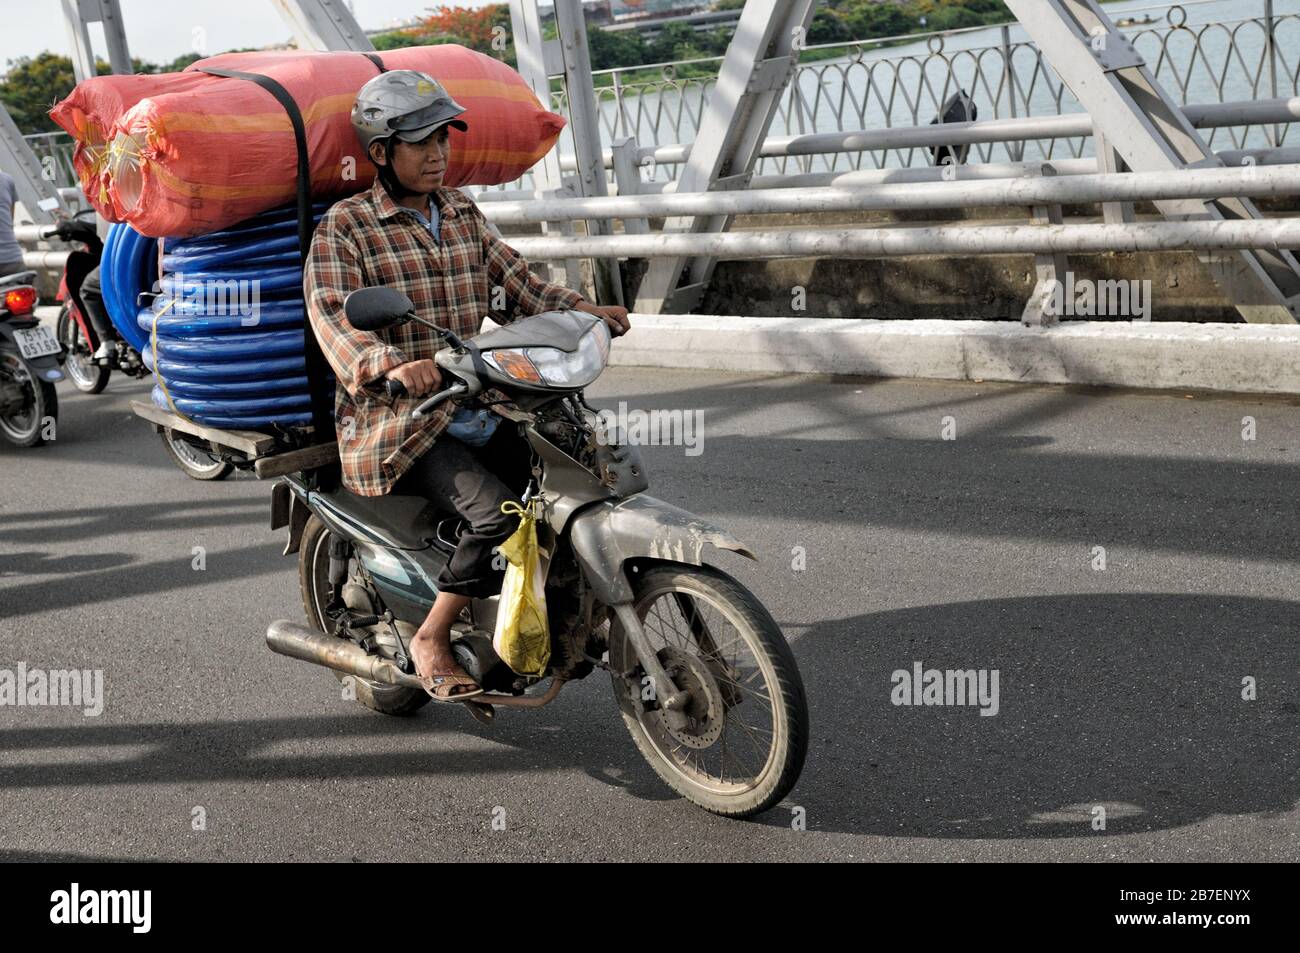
404 103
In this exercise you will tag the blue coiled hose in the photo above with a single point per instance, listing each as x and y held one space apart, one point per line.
282 249
128 267
271 369
225 337
221 348
185 318
204 390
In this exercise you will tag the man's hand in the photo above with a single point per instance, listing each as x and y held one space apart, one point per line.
613 315
418 377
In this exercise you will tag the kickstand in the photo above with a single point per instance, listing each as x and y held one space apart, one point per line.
483 714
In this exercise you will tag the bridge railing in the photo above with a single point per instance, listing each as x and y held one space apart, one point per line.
1047 237
1209 118
903 81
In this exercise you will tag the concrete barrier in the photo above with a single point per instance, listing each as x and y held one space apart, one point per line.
1241 358
1238 358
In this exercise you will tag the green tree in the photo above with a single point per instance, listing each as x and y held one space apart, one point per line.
33 85
828 27
178 65
867 19
952 17
399 39
676 41
610 49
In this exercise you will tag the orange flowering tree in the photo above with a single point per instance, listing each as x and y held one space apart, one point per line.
471 27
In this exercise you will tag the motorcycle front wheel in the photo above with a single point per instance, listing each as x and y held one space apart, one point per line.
87 377
746 732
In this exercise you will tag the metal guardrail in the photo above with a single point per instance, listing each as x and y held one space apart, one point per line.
1250 181
982 239
1272 234
984 131
843 87
867 89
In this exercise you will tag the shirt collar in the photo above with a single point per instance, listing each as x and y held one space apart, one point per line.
446 200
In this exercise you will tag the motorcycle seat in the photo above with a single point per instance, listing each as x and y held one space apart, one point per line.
410 521
18 278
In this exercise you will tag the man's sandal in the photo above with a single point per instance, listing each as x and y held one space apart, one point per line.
442 688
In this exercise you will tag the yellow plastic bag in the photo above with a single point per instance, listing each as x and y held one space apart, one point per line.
523 638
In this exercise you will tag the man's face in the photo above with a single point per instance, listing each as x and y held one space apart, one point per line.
419 166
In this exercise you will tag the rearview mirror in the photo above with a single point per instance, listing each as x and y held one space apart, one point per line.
370 309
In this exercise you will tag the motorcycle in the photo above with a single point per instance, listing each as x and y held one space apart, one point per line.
29 365
704 679
88 363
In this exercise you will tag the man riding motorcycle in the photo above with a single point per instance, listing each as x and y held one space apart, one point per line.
432 243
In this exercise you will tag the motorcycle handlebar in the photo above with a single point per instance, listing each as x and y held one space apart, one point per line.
395 388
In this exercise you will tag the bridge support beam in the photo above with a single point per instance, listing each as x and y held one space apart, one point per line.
1140 122
757 67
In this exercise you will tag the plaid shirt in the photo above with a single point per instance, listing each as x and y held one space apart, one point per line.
368 239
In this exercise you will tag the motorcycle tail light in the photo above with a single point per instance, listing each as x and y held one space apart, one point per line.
20 300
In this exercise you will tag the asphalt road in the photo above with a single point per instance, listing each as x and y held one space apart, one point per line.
1120 688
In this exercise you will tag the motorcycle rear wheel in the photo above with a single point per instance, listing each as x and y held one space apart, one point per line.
27 429
193 462
86 377
717 641
314 583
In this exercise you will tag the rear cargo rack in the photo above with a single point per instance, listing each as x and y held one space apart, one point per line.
266 455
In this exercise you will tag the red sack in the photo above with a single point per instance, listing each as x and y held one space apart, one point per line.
88 114
204 155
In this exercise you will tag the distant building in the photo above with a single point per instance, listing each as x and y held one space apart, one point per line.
597 12
624 10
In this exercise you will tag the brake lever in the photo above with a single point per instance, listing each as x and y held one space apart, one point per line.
457 389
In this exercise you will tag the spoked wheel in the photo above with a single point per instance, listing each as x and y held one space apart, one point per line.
194 463
743 741
314 582
87 377
26 427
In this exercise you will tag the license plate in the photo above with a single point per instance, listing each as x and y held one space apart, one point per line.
36 342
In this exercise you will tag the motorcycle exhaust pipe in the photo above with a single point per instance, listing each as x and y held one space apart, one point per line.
297 641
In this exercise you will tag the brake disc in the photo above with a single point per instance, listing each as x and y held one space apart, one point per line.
705 713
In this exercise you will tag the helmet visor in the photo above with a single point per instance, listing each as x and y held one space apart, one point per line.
414 126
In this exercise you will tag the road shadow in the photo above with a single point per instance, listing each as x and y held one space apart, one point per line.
1129 702
171 575
90 522
1133 703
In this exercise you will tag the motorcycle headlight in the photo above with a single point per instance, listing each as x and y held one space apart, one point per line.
553 367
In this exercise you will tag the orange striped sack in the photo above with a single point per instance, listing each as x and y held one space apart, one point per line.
202 158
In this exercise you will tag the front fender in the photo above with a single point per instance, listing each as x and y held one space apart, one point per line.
607 534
